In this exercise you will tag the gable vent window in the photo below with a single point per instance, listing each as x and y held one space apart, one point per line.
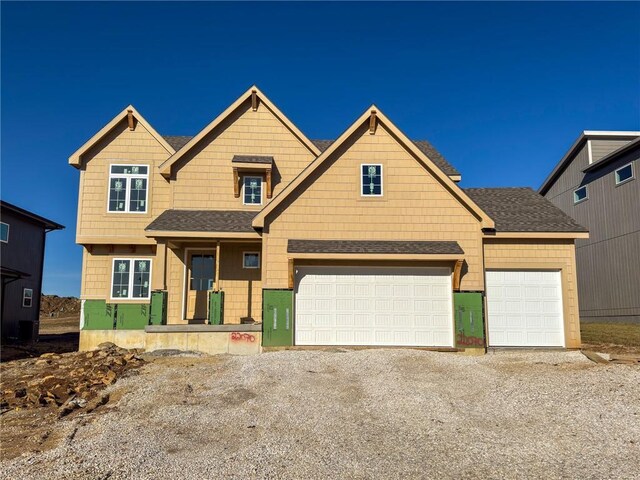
252 190
371 180
624 174
580 195
128 188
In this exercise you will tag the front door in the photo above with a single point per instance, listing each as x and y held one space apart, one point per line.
201 268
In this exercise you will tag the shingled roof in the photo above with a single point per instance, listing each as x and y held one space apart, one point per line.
178 141
203 221
374 246
522 210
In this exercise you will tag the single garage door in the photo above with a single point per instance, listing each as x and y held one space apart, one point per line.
373 306
525 309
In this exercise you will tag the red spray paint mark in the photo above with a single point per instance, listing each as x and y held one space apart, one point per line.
463 340
243 337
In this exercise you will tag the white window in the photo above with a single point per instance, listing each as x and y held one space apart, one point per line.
131 278
624 174
371 180
580 195
4 232
252 190
250 260
128 188
27 297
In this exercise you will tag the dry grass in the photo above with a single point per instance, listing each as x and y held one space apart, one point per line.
611 337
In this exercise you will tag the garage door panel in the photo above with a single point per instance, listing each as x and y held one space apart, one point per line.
524 308
374 306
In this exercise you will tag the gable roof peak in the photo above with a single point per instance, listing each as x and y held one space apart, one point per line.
254 94
129 113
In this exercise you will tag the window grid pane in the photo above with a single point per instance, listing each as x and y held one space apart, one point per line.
141 278
253 190
138 195
371 180
120 284
117 194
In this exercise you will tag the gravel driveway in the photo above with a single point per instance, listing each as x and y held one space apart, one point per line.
358 414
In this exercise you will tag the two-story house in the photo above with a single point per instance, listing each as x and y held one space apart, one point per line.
595 183
250 232
22 240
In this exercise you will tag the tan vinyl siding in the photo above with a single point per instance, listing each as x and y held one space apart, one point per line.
121 146
97 269
415 206
518 254
204 176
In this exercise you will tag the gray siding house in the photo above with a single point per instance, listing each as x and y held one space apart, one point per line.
596 184
22 241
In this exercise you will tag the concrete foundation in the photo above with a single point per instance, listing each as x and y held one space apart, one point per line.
211 339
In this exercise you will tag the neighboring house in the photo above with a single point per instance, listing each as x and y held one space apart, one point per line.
365 240
596 183
22 241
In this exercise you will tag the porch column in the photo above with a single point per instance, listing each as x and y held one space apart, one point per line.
217 277
159 277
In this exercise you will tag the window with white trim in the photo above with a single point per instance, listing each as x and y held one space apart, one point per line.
624 174
131 278
252 190
371 180
27 297
251 260
128 188
4 232
580 194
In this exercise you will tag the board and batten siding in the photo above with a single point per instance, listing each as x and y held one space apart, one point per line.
608 261
540 254
23 252
329 206
120 146
203 178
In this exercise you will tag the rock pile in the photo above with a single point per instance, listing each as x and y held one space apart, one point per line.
65 381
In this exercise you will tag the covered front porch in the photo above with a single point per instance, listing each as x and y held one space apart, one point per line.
209 276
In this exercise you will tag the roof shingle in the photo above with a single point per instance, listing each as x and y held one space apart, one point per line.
251 159
522 210
373 246
177 141
203 221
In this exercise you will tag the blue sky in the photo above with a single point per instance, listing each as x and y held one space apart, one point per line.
501 89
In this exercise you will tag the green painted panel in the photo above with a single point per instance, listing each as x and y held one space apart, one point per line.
132 316
98 315
277 318
216 308
158 313
469 319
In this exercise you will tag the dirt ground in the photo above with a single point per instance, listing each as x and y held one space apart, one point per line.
57 335
353 414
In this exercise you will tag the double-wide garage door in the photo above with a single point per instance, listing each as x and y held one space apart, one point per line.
525 309
373 306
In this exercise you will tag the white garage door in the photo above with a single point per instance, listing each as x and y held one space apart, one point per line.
373 306
524 309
